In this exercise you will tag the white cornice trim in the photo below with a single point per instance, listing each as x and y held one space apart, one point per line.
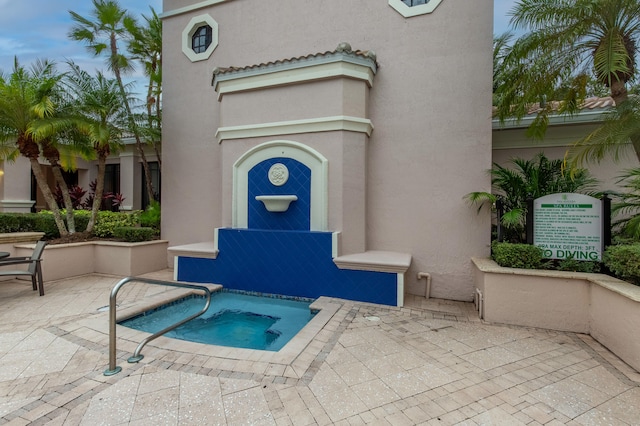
532 143
187 9
27 204
410 11
554 120
311 125
315 69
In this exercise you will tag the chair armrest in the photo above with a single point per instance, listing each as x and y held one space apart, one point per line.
17 261
15 258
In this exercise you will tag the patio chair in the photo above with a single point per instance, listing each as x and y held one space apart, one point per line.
34 269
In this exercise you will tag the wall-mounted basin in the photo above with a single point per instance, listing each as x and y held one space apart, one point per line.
277 203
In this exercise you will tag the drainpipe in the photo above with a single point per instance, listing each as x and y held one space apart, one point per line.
479 302
426 275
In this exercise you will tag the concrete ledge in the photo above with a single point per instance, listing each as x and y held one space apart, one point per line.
621 287
606 308
20 237
8 241
377 261
205 250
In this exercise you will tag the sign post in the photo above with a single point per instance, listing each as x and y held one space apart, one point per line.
568 226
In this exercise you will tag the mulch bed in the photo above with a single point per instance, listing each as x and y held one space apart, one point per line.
79 237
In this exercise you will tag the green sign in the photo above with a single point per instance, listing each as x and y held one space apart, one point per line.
568 226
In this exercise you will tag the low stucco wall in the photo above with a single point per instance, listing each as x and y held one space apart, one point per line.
104 257
615 319
9 240
606 308
130 259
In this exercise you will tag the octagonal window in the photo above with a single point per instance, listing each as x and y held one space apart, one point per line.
200 38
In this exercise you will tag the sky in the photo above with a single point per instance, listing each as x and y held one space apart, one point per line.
37 29
32 29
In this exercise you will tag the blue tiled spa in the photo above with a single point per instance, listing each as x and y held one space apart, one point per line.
285 191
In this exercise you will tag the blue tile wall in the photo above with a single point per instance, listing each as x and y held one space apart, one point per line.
292 263
298 216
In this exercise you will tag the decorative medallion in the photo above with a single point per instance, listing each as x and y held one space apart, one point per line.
278 174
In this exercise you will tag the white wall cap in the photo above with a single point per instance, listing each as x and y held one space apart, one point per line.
202 250
374 260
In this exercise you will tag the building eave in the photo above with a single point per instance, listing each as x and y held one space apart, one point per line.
587 117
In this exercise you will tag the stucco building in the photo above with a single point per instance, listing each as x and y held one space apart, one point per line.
19 192
510 140
385 105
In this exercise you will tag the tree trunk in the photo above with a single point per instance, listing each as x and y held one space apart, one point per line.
132 122
48 196
618 91
151 102
97 199
68 204
51 153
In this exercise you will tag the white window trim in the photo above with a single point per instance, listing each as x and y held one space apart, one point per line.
409 11
187 35
308 156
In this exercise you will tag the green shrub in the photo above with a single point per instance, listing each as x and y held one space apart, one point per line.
10 223
571 264
44 222
511 255
132 234
624 262
151 216
81 218
107 222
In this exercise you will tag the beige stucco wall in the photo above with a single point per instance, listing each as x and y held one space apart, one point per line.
15 185
605 307
615 320
554 303
431 142
511 143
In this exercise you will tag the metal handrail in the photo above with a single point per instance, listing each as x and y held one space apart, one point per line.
113 369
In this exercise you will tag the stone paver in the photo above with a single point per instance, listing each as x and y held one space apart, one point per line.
433 362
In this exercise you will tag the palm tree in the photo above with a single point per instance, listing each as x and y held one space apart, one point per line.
146 47
102 116
27 100
628 208
501 46
528 179
108 25
568 42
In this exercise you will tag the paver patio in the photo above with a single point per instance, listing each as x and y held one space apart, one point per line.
433 362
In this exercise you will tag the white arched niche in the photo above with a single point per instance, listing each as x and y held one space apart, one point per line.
311 158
